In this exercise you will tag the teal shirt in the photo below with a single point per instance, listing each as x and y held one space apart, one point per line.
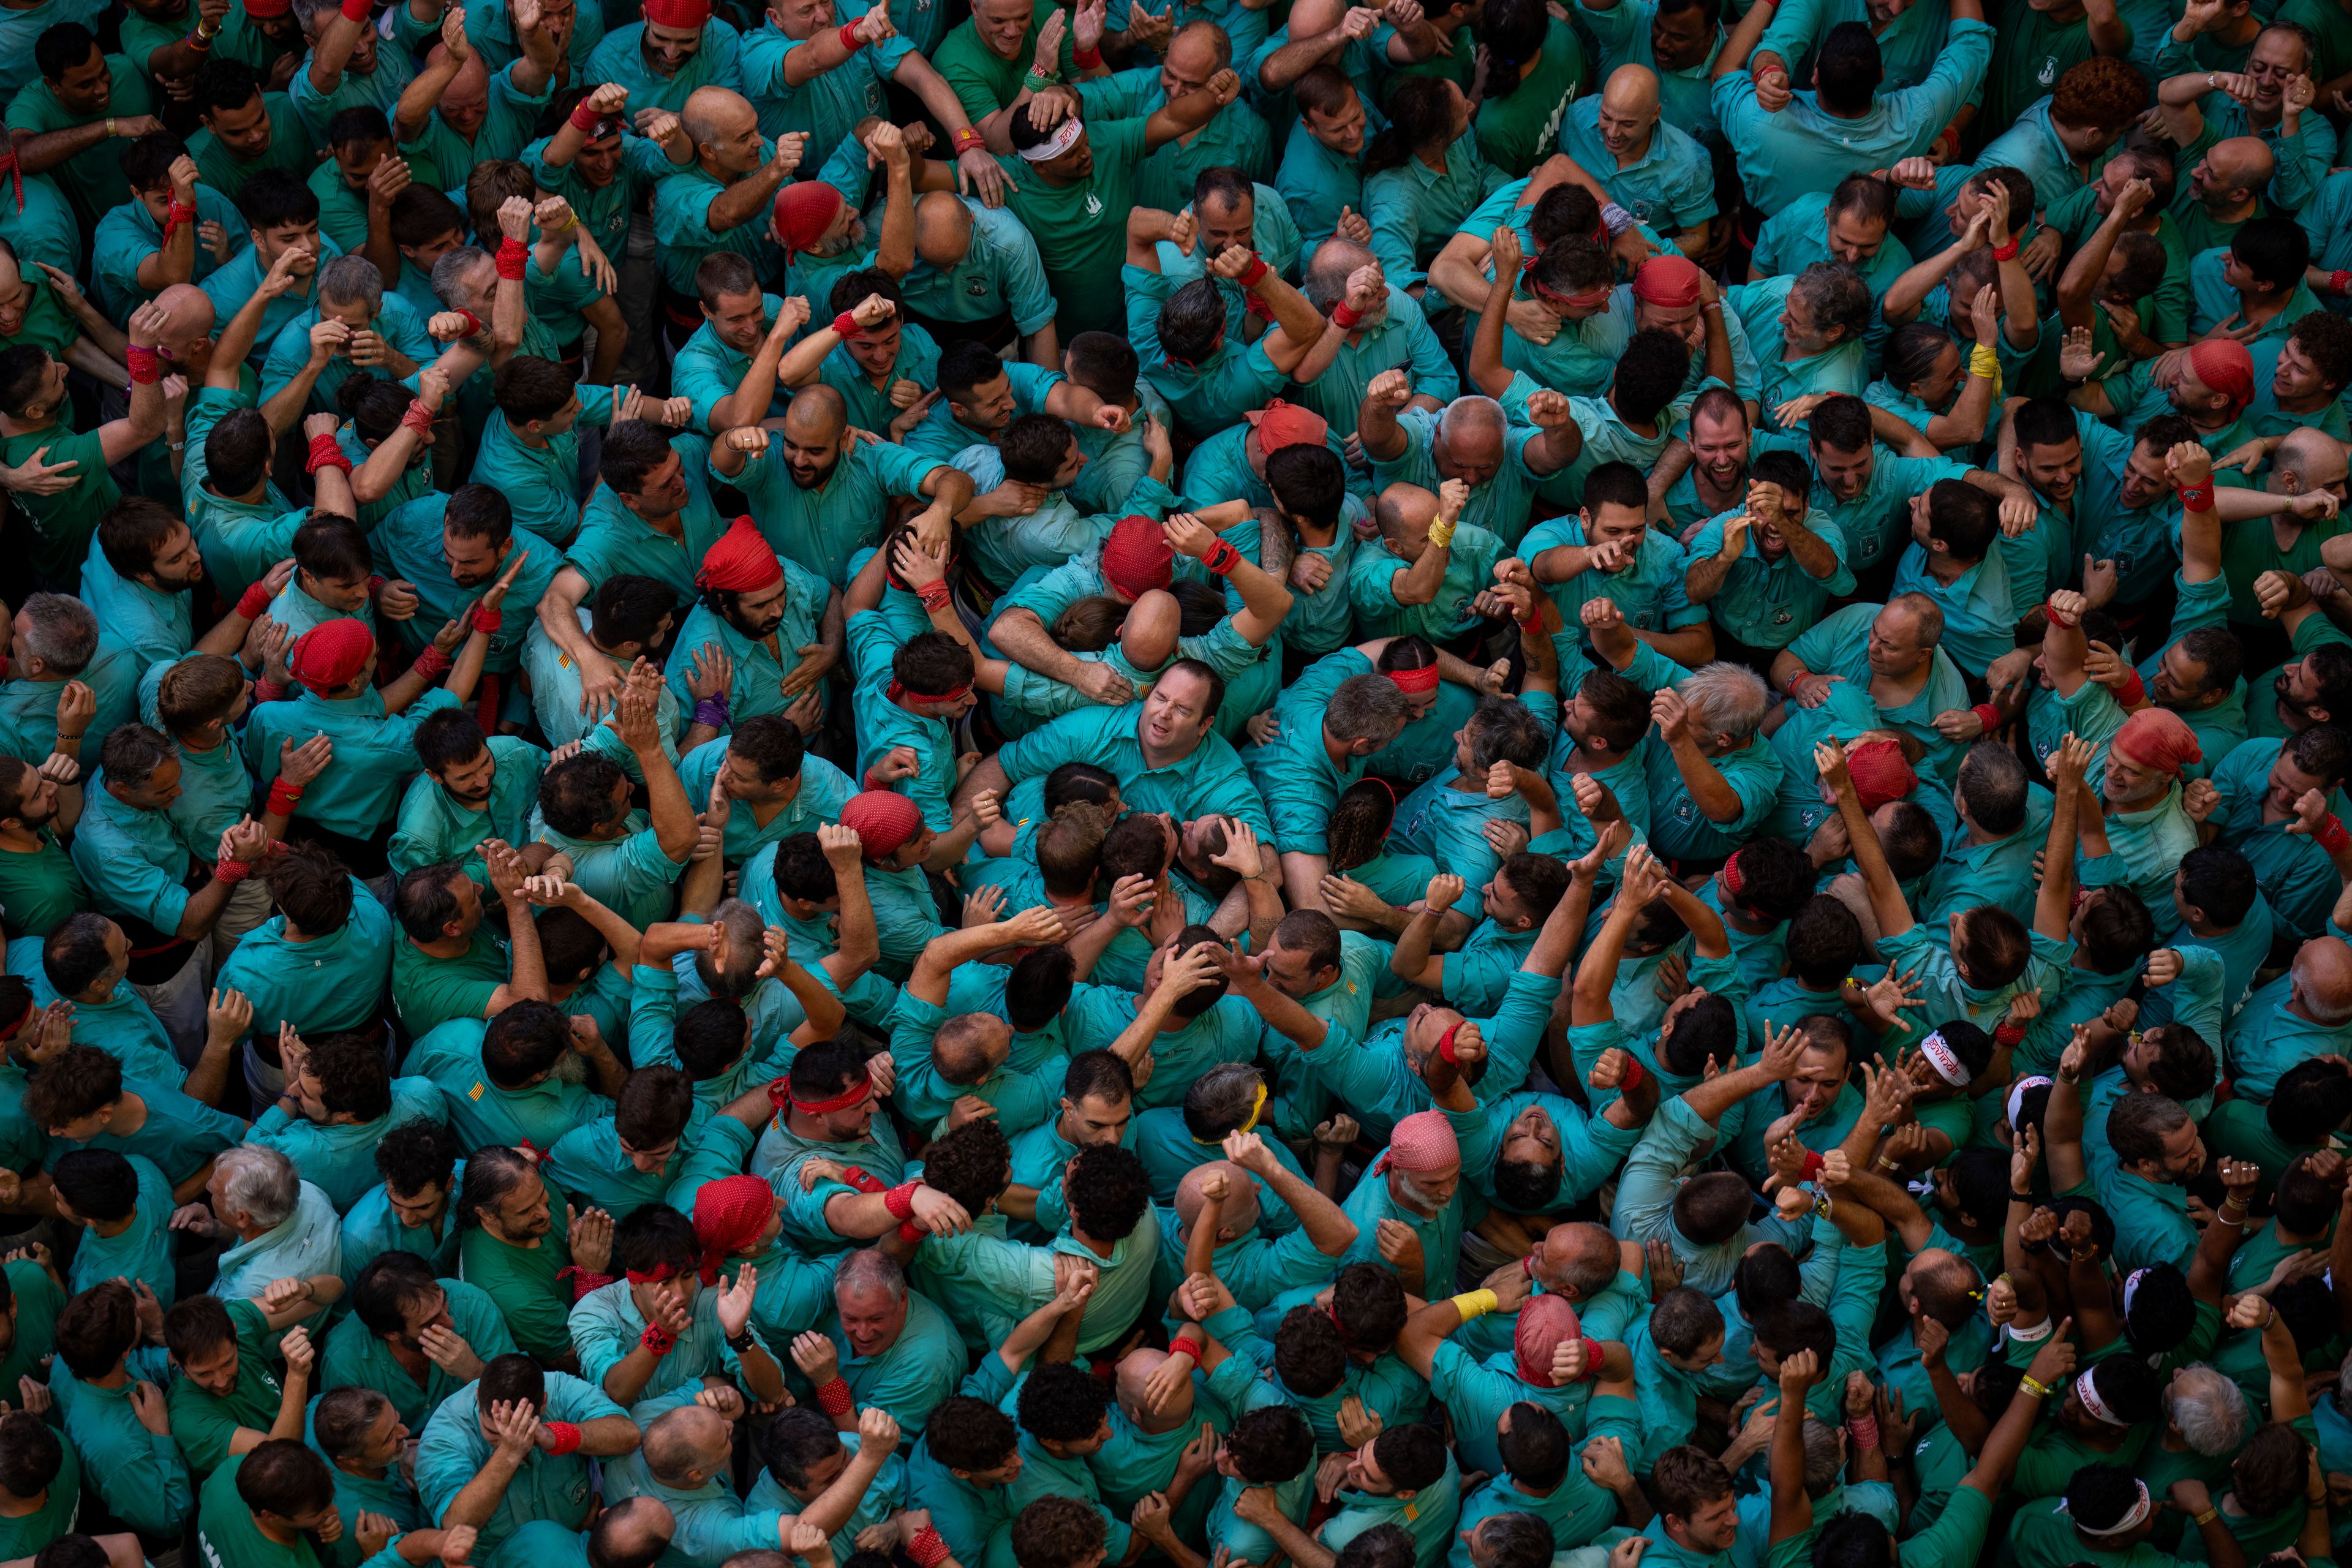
1767 603
451 1451
434 827
1671 186
139 1475
621 57
819 527
375 753
322 985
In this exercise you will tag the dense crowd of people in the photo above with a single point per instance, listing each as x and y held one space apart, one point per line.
1448 783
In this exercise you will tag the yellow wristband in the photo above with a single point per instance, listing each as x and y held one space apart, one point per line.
571 220
2207 1517
1476 1303
1983 362
1440 533
2034 1386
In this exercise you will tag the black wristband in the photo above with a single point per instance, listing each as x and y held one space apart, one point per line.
2025 1198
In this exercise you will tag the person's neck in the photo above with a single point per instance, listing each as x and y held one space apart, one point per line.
1945 569
297 936
672 523
108 1230
119 1377
444 946
809 1129
249 498
2309 402
1099 1249
14 1507
1580 761
1904 685
196 741
1648 429
15 838
1978 836
527 436
2205 928
527 1242
2258 305
366 1472
271 1530
9 424
130 1114
1721 498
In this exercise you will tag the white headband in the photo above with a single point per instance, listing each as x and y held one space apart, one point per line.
2132 1519
1065 137
1944 1060
2017 1095
2086 1389
2131 1287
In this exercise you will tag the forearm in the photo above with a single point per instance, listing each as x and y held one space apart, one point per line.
1705 579
530 976
481 1497
1709 789
1813 554
39 154
746 199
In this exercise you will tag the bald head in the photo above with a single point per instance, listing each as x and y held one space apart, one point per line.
684 1446
2323 980
1577 1261
817 414
632 1534
2239 165
1240 1210
715 113
1630 90
1135 1370
1473 429
1328 269
942 228
471 89
190 310
1404 511
2309 458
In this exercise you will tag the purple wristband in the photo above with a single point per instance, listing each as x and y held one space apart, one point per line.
711 710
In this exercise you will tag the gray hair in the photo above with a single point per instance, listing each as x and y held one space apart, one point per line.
1225 1094
1469 411
351 280
1325 282
1725 698
2209 1409
747 940
1924 610
62 633
449 274
1837 297
1366 707
261 1183
1219 39
870 1268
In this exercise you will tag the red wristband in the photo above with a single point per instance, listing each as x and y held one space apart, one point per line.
2049 607
268 691
1813 1163
1087 59
1256 270
2006 252
934 595
911 1234
835 1397
565 1436
1221 558
2332 836
584 1282
2132 692
585 119
146 366
513 255
967 139
283 796
326 452
929 1547
2339 282
2010 1034
357 10
2196 497
1987 715
473 322
1188 1345
658 1340
901 1200
177 215
850 38
228 871
431 664
1345 316
418 417
488 618
847 325
254 603
1255 305
1595 1353
1634 1077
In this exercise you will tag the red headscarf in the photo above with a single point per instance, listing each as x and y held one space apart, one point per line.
742 562
2223 364
884 822
1670 282
1880 773
1281 424
1136 558
678 12
331 654
729 1215
2157 738
1546 1323
804 211
1423 1143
